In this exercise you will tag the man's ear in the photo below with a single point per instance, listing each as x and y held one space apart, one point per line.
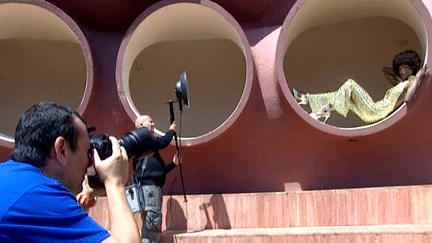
60 150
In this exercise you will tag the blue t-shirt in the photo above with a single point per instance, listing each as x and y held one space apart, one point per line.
36 208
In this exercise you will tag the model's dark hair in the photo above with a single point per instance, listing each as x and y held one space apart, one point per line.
39 127
410 58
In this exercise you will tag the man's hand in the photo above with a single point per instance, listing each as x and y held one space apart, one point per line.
87 198
176 159
173 126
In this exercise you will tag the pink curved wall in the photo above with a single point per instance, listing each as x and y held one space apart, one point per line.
269 144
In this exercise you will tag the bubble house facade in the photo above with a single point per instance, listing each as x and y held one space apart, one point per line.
244 131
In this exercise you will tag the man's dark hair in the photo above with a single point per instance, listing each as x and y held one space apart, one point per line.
410 58
39 127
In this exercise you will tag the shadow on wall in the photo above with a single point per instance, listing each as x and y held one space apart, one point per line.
214 214
175 218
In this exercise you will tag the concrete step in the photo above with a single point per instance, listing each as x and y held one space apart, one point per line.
403 205
324 234
342 207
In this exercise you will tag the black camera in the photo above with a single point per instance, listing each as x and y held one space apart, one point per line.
137 143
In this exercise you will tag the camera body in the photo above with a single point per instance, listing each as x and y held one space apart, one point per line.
137 143
102 144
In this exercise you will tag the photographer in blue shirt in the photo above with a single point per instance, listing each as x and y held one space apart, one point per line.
39 182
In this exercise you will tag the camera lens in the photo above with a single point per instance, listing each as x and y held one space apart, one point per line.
137 143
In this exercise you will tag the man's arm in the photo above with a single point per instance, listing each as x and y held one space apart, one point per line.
160 143
123 225
172 164
114 172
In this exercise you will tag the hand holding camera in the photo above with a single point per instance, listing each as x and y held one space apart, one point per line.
115 168
135 144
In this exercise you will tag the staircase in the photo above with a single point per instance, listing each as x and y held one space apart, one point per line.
388 214
385 214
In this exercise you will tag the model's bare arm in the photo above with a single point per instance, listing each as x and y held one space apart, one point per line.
421 76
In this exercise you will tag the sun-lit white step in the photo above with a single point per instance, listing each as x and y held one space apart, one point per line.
324 234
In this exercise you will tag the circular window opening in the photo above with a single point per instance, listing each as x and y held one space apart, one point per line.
201 40
41 59
325 43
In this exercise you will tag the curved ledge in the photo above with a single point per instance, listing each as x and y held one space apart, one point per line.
40 46
198 37
324 27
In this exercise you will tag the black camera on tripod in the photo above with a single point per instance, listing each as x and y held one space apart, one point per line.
137 143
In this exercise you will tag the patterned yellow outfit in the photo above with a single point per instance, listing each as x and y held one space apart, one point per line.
351 96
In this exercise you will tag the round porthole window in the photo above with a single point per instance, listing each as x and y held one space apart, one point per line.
200 39
44 56
326 46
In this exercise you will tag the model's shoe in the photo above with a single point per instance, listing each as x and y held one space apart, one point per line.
301 98
323 112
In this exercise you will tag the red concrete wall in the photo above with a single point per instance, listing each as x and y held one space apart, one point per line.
268 143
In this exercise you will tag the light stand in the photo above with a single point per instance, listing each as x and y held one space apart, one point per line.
182 93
